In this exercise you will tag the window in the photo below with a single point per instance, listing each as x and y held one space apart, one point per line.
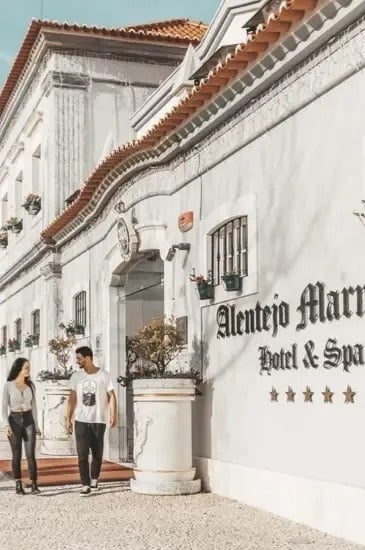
229 249
36 171
80 309
19 195
4 336
18 331
36 329
4 209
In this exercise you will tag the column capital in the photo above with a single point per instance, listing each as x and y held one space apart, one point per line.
60 79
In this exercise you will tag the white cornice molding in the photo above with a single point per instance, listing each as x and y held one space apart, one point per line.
15 151
4 171
32 123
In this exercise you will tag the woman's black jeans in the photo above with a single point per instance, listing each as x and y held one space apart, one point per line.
23 429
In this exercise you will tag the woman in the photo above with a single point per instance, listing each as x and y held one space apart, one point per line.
19 408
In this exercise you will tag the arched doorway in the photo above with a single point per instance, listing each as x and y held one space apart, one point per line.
140 294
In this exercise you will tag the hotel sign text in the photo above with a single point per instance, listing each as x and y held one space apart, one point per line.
315 306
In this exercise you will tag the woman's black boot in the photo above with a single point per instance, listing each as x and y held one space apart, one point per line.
34 488
19 488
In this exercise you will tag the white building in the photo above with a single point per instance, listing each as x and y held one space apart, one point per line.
264 156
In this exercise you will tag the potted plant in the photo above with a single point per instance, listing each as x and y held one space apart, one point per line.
162 397
3 237
56 392
232 281
203 285
69 328
13 344
2 350
15 225
31 340
79 330
32 204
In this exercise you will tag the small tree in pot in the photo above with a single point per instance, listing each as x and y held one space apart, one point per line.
61 348
162 398
154 347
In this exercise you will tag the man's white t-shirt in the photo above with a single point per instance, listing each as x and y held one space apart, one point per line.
92 397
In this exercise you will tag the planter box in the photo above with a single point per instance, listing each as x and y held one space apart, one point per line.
16 228
33 210
163 437
205 291
55 439
232 282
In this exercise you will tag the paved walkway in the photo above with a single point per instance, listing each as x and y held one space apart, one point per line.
115 518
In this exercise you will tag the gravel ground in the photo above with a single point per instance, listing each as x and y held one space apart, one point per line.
115 518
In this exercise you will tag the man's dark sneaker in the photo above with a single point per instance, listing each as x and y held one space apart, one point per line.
85 491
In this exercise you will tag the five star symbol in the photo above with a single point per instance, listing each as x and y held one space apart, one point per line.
274 394
327 394
308 395
290 394
349 395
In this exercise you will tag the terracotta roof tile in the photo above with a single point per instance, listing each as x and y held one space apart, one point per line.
174 31
265 34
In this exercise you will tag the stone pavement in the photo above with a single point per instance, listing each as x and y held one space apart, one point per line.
115 518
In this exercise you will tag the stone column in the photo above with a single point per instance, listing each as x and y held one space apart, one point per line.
51 272
65 153
55 394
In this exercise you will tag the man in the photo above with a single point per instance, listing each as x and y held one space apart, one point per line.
92 393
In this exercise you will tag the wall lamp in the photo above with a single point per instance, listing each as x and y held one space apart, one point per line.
172 250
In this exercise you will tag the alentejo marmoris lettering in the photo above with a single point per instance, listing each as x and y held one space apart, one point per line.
316 305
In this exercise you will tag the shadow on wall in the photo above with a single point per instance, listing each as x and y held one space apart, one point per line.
202 406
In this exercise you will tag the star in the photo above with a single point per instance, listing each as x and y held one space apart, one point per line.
290 394
349 395
327 395
274 394
308 395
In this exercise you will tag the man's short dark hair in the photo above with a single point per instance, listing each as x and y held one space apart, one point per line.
85 351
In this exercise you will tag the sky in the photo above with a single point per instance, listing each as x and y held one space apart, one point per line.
16 16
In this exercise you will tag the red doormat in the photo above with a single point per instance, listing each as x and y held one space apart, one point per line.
65 471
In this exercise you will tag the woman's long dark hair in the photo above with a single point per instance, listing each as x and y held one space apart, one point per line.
15 370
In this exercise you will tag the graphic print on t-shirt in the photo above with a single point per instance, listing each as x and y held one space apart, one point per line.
89 393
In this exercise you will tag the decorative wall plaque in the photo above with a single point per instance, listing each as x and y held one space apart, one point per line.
185 221
127 237
123 237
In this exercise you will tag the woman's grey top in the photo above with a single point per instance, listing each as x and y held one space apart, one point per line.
16 400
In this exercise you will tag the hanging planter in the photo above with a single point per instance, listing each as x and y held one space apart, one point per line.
31 340
203 285
232 281
3 238
205 291
32 204
79 330
13 344
69 328
2 350
15 225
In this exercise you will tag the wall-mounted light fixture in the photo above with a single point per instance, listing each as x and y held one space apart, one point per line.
172 250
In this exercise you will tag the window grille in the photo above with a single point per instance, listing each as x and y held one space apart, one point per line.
4 336
80 308
36 325
18 331
229 249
